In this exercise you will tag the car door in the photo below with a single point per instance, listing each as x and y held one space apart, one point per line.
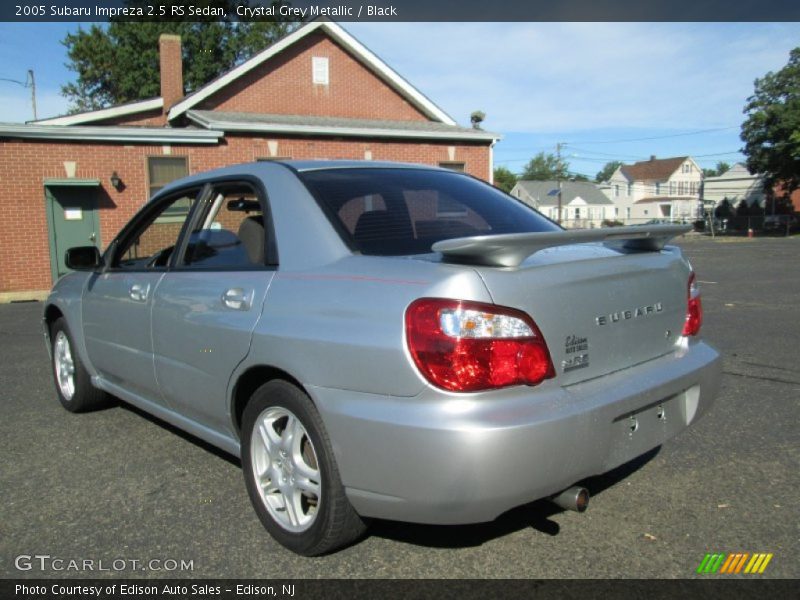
206 307
117 303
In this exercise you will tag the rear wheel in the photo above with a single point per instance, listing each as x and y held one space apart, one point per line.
73 383
291 475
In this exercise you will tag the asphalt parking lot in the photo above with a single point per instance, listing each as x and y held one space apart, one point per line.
119 484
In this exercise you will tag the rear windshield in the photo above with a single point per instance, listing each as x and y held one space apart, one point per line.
388 212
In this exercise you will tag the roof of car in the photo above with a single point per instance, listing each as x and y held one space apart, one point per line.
243 169
316 165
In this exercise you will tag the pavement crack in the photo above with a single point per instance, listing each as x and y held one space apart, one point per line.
762 378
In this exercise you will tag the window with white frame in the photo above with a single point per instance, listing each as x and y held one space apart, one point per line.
671 188
319 70
630 189
616 191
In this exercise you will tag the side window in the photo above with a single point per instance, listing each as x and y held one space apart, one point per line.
151 244
229 232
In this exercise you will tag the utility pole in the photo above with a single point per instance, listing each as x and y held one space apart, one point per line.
33 93
29 82
558 178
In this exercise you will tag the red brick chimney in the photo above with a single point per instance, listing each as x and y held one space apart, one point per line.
171 64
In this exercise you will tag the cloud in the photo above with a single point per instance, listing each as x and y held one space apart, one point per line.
540 77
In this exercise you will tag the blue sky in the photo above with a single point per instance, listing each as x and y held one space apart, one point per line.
603 88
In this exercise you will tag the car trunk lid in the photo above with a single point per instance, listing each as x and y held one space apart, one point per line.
601 307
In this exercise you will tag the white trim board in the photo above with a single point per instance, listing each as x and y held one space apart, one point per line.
140 135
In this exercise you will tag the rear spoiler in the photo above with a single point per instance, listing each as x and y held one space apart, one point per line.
509 250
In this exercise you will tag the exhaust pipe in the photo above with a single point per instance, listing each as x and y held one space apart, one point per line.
574 498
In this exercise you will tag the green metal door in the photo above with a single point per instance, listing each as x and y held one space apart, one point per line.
72 216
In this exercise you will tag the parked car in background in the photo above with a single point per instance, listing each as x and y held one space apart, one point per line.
780 223
385 340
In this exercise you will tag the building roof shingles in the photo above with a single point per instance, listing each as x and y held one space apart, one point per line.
540 191
655 169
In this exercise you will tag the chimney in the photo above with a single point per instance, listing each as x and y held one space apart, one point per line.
171 64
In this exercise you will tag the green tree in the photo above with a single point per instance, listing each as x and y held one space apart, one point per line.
607 171
770 130
504 179
544 167
119 62
722 167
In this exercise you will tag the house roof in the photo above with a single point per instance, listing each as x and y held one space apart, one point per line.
655 169
337 126
540 191
356 48
736 172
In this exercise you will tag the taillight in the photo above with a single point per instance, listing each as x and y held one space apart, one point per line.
694 309
469 346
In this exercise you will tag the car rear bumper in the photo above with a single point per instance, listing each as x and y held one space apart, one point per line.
465 458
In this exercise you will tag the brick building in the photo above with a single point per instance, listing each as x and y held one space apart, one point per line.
316 93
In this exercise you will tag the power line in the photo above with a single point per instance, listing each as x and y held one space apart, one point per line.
656 137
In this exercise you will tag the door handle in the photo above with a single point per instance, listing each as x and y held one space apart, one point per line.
237 299
138 292
93 237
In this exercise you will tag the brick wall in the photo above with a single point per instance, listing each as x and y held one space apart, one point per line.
24 165
283 85
152 118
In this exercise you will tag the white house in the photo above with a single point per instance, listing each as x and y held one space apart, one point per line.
583 204
736 184
665 188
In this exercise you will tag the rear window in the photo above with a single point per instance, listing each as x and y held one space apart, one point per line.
388 212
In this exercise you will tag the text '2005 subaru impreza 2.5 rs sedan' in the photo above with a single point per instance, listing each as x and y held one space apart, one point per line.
385 340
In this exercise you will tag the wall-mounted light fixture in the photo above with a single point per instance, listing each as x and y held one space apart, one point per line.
116 182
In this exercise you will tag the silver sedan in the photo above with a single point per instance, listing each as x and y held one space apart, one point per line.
385 340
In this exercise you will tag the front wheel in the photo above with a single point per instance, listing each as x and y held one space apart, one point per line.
291 475
73 383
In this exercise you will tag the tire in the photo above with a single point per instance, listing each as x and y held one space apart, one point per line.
73 383
291 475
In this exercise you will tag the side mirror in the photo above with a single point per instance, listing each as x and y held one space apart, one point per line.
83 258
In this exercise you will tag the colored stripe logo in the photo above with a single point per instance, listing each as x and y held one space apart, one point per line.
734 563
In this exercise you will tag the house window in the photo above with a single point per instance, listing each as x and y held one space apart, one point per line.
671 188
577 212
630 189
628 213
658 187
319 70
680 188
616 211
162 170
616 191
453 166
